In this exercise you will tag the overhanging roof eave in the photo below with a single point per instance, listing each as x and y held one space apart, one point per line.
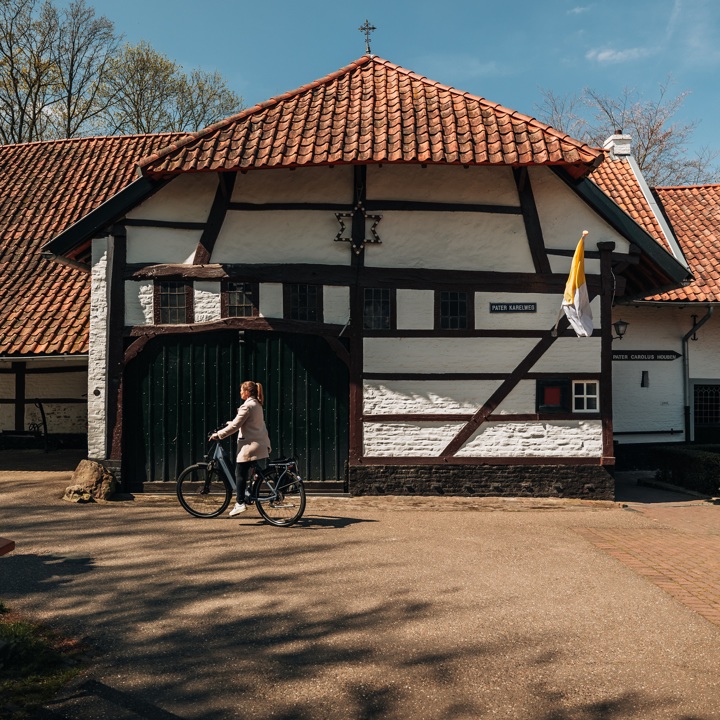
102 216
619 220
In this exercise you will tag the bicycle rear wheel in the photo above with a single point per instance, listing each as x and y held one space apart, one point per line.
284 506
202 491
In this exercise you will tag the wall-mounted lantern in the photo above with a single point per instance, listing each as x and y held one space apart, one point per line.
620 328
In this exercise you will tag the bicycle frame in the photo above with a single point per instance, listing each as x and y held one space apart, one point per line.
220 458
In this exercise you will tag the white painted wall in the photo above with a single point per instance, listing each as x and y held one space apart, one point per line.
518 439
444 240
161 245
97 360
391 397
61 417
443 183
336 304
536 439
563 217
301 185
271 300
415 309
139 302
285 236
187 198
207 295
660 407
7 392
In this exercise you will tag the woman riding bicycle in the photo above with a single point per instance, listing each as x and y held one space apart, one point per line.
253 443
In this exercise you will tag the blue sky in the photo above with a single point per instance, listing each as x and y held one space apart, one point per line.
503 51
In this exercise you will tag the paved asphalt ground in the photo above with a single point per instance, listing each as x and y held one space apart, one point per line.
373 607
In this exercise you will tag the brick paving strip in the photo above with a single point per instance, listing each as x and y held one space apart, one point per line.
683 559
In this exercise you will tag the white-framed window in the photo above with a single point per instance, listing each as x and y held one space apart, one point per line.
585 396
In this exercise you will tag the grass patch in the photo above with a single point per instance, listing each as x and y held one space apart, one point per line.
35 664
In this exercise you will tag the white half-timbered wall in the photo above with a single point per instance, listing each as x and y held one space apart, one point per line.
410 239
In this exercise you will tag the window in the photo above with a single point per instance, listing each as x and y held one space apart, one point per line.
454 310
240 299
378 309
173 302
304 302
553 396
562 396
585 396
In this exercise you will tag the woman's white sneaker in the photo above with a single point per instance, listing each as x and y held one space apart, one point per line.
239 508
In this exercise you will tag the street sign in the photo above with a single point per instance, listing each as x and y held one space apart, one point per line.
645 355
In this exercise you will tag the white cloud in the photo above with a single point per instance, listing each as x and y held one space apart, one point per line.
578 10
610 55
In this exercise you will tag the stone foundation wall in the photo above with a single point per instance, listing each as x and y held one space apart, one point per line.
591 482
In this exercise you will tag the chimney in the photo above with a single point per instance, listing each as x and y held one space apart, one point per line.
618 145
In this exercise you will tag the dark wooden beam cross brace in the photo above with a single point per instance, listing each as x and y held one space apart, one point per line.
203 253
531 220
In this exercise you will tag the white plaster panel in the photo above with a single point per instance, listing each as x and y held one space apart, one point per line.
442 183
7 392
320 184
571 354
451 241
520 400
704 353
271 300
407 439
60 417
545 317
187 198
563 217
415 309
336 304
391 397
437 355
536 439
139 302
286 236
97 360
561 265
161 245
659 407
206 301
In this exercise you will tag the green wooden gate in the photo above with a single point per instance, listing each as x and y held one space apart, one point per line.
181 387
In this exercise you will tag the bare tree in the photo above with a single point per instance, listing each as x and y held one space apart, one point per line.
204 99
28 77
63 74
81 55
151 93
140 87
659 144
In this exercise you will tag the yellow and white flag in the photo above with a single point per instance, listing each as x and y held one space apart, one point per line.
576 302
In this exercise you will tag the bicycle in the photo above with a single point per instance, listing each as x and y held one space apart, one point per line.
206 488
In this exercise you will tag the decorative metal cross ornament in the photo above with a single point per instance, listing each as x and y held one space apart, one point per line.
367 28
357 246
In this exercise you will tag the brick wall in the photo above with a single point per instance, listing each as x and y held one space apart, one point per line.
575 481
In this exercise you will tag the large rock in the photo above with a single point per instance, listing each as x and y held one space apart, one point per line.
90 482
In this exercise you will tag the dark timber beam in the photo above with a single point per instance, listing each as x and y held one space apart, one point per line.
226 183
606 301
531 220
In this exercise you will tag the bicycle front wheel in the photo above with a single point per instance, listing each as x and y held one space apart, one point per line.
202 491
281 507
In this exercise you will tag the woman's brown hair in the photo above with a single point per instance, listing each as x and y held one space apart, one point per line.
254 389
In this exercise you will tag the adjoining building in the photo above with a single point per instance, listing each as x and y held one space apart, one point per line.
44 307
387 255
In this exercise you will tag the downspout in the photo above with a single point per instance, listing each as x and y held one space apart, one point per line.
686 367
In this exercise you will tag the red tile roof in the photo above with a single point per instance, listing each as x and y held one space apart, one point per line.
44 188
694 214
616 178
373 111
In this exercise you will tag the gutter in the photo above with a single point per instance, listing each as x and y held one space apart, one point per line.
686 367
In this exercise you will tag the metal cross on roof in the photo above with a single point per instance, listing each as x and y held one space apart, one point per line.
367 28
